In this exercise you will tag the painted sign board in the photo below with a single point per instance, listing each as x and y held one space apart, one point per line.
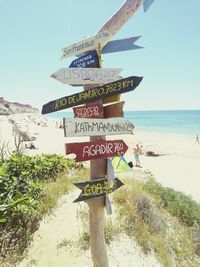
96 188
97 111
114 110
121 45
86 75
86 61
118 87
123 15
90 43
96 150
92 111
96 127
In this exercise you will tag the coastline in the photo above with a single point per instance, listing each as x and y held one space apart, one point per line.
176 167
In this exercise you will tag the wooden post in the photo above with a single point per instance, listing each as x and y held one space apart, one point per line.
96 206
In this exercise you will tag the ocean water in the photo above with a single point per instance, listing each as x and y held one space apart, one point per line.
186 122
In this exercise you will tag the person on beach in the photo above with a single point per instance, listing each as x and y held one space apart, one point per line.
197 139
30 146
137 152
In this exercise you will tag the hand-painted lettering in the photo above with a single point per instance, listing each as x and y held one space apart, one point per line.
118 87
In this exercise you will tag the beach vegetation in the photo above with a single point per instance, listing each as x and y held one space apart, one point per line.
30 187
177 203
143 217
161 220
3 151
111 232
65 243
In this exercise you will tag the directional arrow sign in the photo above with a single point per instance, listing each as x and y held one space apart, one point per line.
87 61
92 111
96 127
97 111
114 88
85 45
121 45
96 150
121 16
96 188
147 4
86 75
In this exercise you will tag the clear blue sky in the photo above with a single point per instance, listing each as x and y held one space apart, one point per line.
33 32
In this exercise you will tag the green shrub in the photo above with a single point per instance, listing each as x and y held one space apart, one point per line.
20 182
178 204
21 189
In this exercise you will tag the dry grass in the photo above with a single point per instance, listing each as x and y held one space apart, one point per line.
141 217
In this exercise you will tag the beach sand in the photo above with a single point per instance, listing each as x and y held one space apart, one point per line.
178 165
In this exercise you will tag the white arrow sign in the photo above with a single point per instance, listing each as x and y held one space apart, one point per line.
86 75
85 45
123 14
95 127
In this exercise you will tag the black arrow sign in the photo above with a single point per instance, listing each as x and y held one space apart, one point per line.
97 188
115 88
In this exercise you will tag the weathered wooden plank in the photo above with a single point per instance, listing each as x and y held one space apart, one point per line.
96 150
114 110
86 75
86 45
96 188
96 127
114 88
92 111
121 16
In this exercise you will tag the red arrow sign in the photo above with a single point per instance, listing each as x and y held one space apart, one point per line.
96 150
92 111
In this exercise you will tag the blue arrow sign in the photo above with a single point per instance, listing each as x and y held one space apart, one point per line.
121 45
86 61
147 4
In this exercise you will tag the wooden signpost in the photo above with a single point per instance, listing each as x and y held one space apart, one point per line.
97 188
96 150
89 60
86 75
114 110
96 127
114 88
86 45
96 215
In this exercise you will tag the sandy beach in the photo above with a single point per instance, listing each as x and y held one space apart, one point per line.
176 167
